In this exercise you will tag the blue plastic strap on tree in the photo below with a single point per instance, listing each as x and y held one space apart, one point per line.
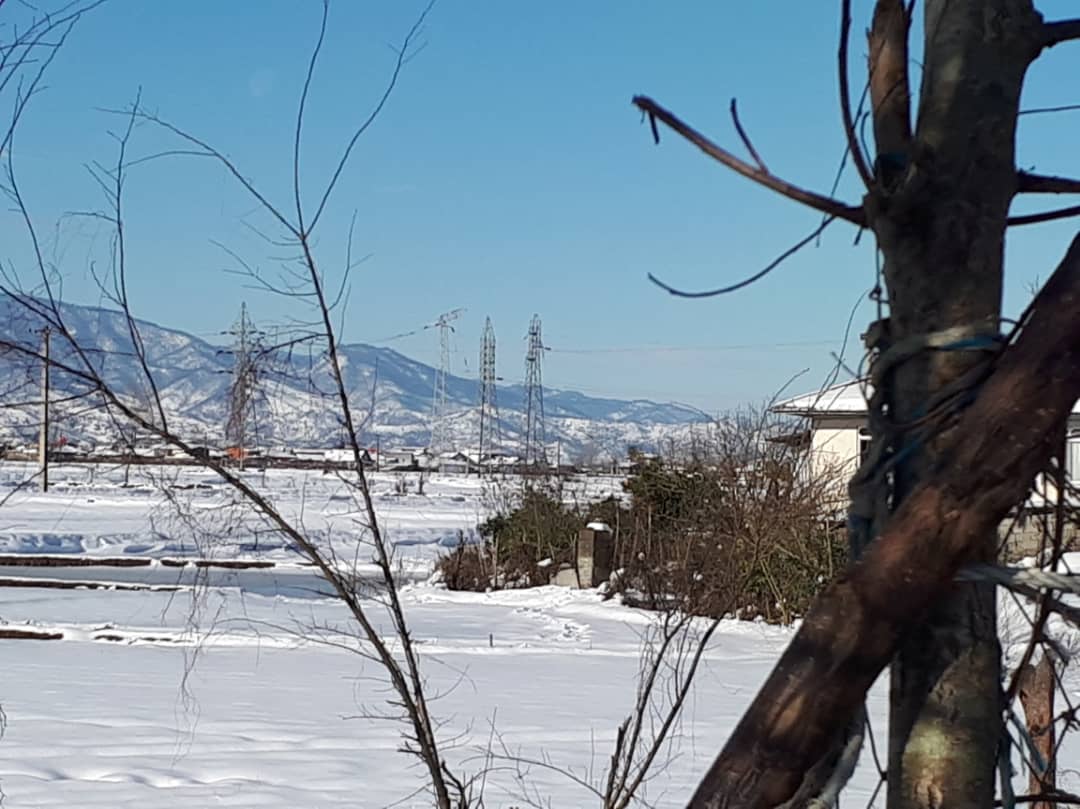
974 343
1039 764
906 450
857 522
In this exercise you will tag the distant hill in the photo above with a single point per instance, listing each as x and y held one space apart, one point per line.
293 407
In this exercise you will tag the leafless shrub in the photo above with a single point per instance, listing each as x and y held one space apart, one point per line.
743 518
468 567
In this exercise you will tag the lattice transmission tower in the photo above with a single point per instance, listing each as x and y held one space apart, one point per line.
490 436
534 451
241 426
440 437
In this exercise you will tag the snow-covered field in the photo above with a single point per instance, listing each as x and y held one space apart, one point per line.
240 691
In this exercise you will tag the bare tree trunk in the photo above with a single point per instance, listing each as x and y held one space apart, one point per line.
1037 684
858 623
941 226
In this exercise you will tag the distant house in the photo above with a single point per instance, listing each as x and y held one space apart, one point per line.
837 419
427 460
636 461
839 438
397 460
338 455
345 455
495 462
454 463
66 449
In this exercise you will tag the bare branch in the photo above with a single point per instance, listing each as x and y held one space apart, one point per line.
1045 110
1050 797
29 41
402 59
756 276
889 91
1054 33
832 207
854 149
746 138
300 114
1029 183
120 278
1044 216
205 150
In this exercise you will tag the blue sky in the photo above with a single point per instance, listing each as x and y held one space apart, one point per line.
508 175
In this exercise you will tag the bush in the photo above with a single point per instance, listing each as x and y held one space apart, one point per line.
467 567
539 528
737 528
530 536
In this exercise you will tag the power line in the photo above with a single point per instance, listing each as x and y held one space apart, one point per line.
670 349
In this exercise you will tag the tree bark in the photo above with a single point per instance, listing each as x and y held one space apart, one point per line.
1037 684
941 231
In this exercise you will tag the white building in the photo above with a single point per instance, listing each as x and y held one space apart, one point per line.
397 459
453 463
838 438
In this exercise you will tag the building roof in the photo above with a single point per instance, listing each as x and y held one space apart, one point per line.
845 399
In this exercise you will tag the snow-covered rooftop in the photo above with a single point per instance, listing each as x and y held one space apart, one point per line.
845 399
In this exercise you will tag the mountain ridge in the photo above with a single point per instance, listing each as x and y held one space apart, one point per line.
390 392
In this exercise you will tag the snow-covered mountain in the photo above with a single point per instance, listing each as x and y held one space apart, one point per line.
389 391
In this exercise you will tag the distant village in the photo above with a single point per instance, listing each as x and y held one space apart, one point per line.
377 459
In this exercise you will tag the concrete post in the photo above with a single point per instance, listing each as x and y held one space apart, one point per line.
595 554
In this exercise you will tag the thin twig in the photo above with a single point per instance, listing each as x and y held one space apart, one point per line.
360 130
1045 110
746 138
755 277
300 114
1044 216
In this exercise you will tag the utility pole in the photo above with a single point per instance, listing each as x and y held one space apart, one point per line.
43 436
